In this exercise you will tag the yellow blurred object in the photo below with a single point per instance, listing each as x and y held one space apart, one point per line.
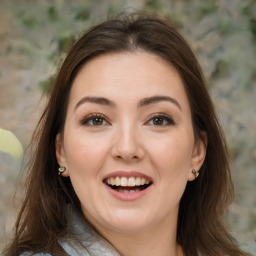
10 144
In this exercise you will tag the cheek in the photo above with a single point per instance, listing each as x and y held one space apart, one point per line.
173 153
83 153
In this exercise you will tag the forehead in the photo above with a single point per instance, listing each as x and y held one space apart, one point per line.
123 76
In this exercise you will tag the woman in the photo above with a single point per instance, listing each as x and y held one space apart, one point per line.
129 156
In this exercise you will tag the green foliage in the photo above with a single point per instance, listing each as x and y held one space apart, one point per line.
153 5
233 152
46 84
206 8
62 19
249 12
65 39
82 14
27 19
53 13
221 69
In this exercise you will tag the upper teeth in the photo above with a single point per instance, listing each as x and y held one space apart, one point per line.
127 182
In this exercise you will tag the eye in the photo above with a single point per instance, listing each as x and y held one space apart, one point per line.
160 120
94 120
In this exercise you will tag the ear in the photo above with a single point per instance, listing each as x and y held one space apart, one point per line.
198 155
60 154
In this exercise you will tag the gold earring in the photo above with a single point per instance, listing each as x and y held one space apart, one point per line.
195 172
61 170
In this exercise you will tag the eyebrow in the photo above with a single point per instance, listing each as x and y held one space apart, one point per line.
96 100
156 99
142 102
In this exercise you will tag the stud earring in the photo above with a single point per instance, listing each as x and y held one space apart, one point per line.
61 169
196 173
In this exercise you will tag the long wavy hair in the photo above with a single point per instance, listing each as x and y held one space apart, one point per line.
42 221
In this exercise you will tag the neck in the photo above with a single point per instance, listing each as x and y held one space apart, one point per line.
158 240
146 244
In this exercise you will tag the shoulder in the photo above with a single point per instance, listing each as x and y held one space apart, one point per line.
37 254
42 254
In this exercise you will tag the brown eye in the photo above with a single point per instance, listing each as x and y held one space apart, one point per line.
158 121
94 120
97 121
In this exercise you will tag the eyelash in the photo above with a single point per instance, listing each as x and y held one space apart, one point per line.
92 117
165 118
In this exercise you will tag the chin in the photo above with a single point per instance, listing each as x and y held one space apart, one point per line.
128 222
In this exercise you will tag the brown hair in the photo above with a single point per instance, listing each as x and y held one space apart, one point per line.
42 221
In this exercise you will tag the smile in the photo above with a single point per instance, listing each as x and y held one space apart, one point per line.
128 184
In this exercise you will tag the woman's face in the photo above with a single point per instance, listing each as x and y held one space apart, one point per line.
128 142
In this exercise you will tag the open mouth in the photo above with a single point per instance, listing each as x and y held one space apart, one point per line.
128 185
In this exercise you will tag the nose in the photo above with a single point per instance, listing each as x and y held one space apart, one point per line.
127 144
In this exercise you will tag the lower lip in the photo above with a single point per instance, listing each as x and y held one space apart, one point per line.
127 196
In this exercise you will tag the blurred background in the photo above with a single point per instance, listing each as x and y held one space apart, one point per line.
35 35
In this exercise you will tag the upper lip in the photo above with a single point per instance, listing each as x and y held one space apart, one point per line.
128 174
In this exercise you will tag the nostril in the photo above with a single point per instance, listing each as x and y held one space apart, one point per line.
126 157
127 150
